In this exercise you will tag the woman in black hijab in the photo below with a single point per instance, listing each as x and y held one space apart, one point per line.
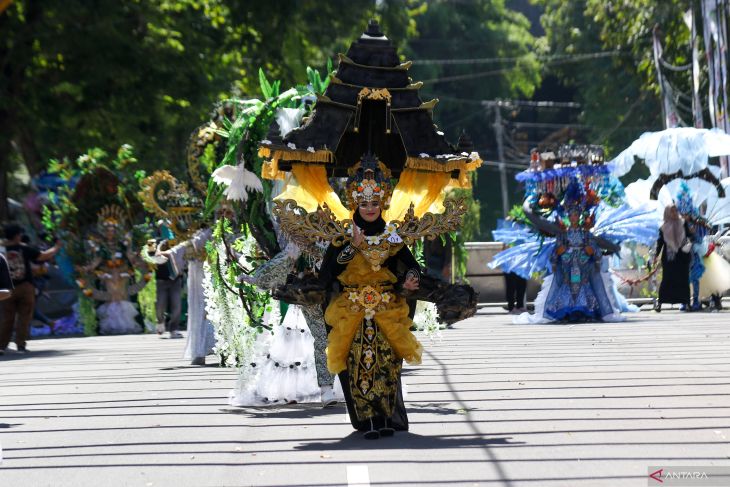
368 317
673 247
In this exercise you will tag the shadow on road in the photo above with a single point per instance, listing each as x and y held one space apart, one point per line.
12 355
404 440
286 411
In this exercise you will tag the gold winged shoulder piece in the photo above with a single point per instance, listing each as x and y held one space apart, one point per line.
305 228
431 225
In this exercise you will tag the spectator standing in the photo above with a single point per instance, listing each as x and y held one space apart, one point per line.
18 308
6 283
169 293
515 287
674 247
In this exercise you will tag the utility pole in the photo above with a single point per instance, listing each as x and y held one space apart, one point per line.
498 134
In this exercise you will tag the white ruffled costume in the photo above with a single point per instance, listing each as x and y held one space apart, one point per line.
284 370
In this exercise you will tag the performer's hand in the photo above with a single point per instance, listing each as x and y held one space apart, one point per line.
357 236
411 283
589 250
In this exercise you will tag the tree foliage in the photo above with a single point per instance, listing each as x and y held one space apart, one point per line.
452 33
618 90
80 74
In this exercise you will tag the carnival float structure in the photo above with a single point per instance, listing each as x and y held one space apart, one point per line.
682 174
99 222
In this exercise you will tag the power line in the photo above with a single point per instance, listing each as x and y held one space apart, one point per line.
548 125
568 60
489 60
512 103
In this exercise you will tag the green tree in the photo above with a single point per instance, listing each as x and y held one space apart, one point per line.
79 74
504 64
618 90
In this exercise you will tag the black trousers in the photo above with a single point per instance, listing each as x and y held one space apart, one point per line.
516 287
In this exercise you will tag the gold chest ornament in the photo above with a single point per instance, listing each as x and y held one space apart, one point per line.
377 254
378 248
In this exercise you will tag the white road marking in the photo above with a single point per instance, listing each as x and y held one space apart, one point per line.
358 476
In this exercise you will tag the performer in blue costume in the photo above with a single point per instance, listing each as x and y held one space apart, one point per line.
577 292
567 228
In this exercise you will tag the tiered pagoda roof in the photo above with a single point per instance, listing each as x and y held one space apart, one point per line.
370 106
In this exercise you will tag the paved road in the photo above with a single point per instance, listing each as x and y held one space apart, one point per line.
492 404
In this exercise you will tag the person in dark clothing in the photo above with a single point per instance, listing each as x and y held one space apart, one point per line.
40 280
169 293
674 247
18 308
516 287
6 283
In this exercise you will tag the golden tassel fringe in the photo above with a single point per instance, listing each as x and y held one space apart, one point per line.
297 155
463 165
270 170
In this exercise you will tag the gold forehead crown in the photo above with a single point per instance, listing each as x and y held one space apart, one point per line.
369 181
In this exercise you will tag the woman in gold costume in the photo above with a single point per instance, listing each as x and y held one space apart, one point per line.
369 320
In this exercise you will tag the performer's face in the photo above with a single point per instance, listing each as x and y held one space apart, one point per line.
369 210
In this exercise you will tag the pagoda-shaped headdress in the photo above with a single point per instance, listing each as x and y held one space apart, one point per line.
371 106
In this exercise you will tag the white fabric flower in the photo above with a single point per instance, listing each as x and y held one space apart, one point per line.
373 240
291 145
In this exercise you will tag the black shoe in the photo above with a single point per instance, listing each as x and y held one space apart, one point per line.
386 430
22 350
198 361
657 306
373 434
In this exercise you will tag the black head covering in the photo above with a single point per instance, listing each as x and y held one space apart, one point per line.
370 228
